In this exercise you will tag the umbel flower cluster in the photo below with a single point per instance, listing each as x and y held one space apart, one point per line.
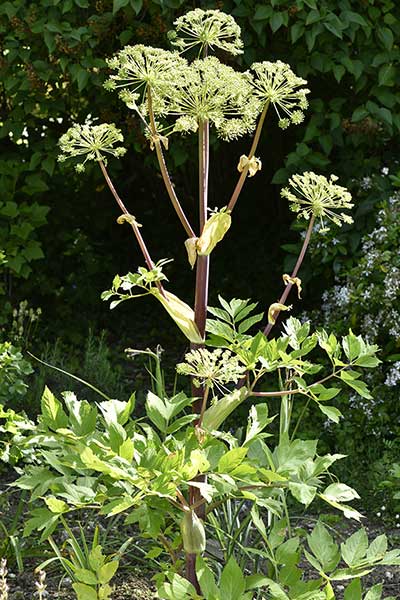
315 195
276 83
217 93
171 94
207 27
209 368
94 142
139 69
157 81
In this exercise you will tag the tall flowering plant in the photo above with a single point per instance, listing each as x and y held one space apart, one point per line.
170 473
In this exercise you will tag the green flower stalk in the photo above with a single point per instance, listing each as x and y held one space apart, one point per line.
315 195
94 142
275 83
207 29
139 68
216 93
211 367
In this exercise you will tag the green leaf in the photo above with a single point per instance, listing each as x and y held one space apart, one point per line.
84 592
386 37
386 75
258 420
355 548
56 506
43 520
302 492
377 548
287 553
296 32
276 21
179 588
262 13
53 414
231 460
86 576
340 492
50 41
375 593
232 585
82 78
247 323
118 4
137 5
206 578
353 591
323 547
156 411
359 386
338 71
107 571
96 558
331 412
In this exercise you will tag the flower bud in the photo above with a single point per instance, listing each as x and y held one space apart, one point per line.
294 281
193 533
216 414
213 232
181 313
190 246
253 165
274 311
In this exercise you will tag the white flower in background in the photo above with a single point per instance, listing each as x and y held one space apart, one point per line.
393 375
94 142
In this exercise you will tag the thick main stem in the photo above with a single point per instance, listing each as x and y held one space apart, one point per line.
136 231
252 152
200 311
296 269
203 262
164 171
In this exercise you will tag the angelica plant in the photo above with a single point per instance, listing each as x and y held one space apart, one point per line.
167 474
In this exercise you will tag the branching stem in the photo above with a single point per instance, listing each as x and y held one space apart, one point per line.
252 152
164 170
136 231
296 269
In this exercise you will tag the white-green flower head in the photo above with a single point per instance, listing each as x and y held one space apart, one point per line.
216 367
139 68
316 195
207 28
275 83
94 142
215 92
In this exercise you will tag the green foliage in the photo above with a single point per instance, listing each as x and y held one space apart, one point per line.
166 472
13 371
366 294
336 46
90 571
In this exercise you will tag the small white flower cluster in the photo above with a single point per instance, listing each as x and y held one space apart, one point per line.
392 283
93 142
393 375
